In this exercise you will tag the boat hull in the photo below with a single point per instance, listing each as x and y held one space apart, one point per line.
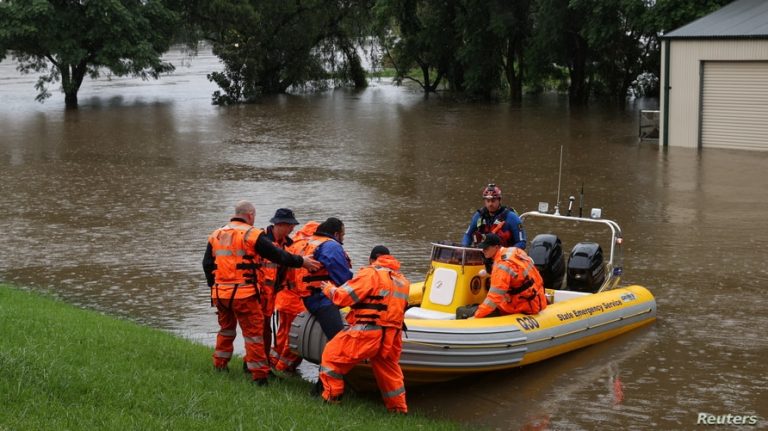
441 350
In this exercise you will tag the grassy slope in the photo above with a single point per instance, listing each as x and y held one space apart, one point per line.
65 368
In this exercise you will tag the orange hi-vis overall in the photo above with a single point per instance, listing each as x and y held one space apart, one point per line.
516 285
288 305
267 286
268 276
378 295
235 295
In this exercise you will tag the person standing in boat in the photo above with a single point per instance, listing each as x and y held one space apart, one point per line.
232 264
497 219
273 275
377 296
516 285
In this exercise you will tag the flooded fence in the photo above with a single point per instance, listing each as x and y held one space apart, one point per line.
648 126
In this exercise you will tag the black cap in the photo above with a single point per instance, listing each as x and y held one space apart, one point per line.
489 240
283 215
378 251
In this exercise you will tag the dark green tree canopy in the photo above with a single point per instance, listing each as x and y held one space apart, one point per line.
66 40
477 48
268 46
420 35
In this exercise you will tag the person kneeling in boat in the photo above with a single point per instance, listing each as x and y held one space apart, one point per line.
377 296
516 285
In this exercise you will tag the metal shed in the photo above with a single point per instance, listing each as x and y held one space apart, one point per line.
715 80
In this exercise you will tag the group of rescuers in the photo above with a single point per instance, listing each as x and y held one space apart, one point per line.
254 272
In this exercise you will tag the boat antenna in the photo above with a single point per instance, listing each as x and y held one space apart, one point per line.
559 178
581 199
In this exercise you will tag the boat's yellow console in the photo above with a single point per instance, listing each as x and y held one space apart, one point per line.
454 279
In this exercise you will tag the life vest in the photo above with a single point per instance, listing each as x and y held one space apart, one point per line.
525 293
292 273
286 297
385 306
487 224
237 265
305 282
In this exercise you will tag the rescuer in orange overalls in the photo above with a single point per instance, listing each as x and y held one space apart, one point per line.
288 305
232 261
516 286
377 296
273 275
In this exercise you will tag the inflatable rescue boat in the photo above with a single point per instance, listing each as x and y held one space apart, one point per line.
586 306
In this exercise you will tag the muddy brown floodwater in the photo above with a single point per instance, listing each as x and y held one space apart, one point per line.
109 207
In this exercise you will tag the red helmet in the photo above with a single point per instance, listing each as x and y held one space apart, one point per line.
491 191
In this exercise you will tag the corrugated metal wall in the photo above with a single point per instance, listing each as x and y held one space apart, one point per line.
686 58
734 108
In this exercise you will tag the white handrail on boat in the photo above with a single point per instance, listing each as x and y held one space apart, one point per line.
616 237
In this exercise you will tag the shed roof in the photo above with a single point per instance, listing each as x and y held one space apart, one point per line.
740 19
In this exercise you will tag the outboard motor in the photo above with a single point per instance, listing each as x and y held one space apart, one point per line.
546 250
586 271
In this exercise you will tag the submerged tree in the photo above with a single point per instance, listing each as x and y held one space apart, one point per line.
481 54
473 45
419 36
513 21
616 34
267 46
558 42
67 40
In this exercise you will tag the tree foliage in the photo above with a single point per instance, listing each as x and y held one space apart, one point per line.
419 34
513 23
591 47
479 48
268 46
472 45
67 40
615 35
668 15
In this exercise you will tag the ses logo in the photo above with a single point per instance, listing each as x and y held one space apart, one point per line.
729 419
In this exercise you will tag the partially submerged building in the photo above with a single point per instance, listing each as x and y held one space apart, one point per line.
714 80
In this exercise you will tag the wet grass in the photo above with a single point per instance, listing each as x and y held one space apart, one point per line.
66 368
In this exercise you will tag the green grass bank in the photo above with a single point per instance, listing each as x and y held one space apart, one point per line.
66 368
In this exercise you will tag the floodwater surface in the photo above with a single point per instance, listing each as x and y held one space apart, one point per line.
109 208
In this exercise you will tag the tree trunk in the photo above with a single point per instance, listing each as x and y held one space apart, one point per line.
436 83
578 92
425 76
356 71
514 80
456 76
71 80
70 100
630 74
